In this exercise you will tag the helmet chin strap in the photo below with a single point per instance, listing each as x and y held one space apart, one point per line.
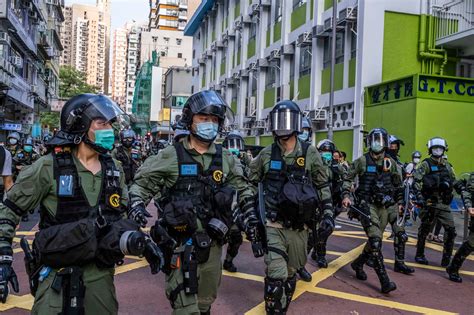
94 146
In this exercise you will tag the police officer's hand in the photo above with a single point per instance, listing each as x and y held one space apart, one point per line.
7 275
154 256
326 227
401 209
471 212
346 202
139 214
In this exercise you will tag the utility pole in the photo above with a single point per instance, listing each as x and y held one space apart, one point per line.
333 64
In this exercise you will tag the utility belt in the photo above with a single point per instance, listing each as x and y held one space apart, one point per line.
187 257
444 198
378 199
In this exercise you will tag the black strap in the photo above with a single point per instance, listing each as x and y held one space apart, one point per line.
13 207
279 252
8 222
174 293
2 158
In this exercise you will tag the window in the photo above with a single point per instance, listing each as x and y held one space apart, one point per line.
178 41
253 29
271 77
254 83
163 53
298 3
166 39
180 55
194 53
277 11
305 60
339 50
353 45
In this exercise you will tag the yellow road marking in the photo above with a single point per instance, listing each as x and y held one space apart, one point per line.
378 302
241 275
130 267
23 301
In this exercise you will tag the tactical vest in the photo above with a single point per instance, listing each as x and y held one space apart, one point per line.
197 185
279 174
375 183
438 182
72 204
336 180
129 167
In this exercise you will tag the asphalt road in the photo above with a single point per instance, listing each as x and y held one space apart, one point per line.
333 290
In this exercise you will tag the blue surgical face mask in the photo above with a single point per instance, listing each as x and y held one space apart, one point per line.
207 130
327 156
304 135
28 148
105 138
235 151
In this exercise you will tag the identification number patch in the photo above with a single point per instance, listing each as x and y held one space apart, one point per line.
189 169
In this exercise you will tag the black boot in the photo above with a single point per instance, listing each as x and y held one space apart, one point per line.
450 235
207 313
229 266
290 286
399 246
274 289
304 274
375 246
358 266
420 250
458 259
321 255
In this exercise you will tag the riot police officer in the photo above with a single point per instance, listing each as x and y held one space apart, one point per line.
394 149
306 134
200 183
123 154
467 246
336 171
236 145
433 186
13 142
82 195
411 167
24 156
295 184
380 188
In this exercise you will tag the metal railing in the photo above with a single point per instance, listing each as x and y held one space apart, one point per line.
453 16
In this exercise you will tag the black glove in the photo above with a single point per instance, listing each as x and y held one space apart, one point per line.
7 275
326 226
154 256
420 202
139 214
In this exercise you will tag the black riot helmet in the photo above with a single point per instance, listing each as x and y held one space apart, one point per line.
326 145
78 114
206 102
285 119
234 142
377 140
127 137
416 154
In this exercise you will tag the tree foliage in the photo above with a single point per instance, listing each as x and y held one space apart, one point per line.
50 119
73 82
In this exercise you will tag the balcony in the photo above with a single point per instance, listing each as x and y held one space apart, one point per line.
19 32
454 25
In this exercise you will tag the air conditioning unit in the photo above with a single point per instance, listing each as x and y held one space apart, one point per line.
327 26
16 61
213 46
225 37
251 107
201 61
4 37
304 39
236 75
274 54
34 89
349 14
255 8
318 115
219 44
246 19
260 124
230 33
263 63
287 50
230 81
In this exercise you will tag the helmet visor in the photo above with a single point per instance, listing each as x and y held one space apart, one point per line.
378 141
210 103
284 122
102 107
437 142
235 143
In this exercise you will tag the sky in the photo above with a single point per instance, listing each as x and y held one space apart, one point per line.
122 11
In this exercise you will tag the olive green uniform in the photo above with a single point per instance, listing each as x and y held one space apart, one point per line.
288 241
435 208
468 196
161 171
36 185
467 246
380 216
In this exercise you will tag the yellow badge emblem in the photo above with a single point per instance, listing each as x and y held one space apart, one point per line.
114 200
217 176
300 161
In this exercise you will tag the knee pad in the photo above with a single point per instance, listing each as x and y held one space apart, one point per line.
402 237
290 286
273 293
375 245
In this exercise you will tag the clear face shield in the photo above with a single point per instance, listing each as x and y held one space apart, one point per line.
285 122
235 144
377 142
103 108
211 103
